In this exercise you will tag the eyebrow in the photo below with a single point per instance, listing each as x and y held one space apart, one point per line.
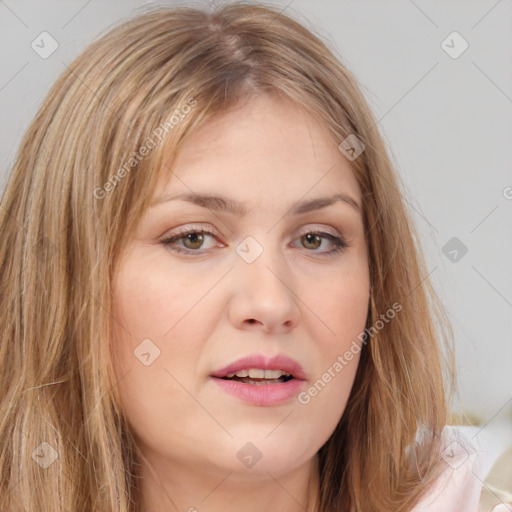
223 204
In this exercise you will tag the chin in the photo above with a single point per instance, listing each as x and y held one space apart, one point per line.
276 453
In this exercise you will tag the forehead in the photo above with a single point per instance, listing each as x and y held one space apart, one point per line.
265 148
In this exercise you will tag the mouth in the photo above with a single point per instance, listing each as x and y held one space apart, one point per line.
259 376
258 369
261 381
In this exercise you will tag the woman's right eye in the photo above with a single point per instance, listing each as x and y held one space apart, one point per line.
191 239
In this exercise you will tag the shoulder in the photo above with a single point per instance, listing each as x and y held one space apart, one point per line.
473 472
497 489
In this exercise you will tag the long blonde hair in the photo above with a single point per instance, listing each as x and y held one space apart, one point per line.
84 174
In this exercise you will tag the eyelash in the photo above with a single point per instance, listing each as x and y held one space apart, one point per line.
339 242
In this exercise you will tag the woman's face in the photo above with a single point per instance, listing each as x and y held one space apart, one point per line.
267 281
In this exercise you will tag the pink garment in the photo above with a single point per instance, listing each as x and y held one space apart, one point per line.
458 488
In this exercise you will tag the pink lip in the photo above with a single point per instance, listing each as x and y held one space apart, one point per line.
263 394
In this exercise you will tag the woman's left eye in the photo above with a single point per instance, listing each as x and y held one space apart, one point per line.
314 239
193 239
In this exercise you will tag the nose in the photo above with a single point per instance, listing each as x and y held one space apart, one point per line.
263 296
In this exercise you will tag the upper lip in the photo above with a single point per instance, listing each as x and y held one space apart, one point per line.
278 362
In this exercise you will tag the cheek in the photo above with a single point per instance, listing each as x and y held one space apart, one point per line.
156 339
325 398
148 367
143 311
341 305
148 300
152 302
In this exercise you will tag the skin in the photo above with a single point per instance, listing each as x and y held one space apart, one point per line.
206 309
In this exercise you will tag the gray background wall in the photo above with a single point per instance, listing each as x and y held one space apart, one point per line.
447 119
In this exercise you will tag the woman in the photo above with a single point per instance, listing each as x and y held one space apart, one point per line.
212 294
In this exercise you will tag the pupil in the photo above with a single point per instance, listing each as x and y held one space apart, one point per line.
194 238
311 239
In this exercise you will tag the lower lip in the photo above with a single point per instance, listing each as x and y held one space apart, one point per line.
262 394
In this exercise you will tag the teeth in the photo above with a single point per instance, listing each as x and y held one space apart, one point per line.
258 373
